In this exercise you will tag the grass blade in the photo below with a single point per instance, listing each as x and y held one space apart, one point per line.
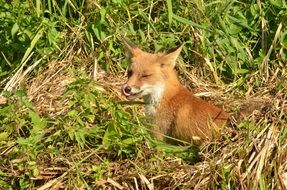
170 13
188 22
32 45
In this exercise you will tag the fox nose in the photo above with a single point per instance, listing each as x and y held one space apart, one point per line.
126 89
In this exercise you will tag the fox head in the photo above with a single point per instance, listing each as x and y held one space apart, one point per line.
147 72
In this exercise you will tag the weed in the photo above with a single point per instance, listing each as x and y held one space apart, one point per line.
61 129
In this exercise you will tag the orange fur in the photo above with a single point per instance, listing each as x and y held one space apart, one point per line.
175 111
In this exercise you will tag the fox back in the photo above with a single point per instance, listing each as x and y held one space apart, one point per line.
174 110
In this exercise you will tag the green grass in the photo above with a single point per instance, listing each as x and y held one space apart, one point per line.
65 124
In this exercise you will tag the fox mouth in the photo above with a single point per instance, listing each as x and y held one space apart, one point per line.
133 96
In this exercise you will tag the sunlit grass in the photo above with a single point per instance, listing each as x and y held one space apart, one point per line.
64 124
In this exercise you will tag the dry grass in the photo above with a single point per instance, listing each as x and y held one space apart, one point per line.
46 90
250 155
251 150
62 141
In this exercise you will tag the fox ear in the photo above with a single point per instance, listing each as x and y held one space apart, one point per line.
129 47
169 59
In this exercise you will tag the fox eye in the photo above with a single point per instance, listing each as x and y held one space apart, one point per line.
146 75
130 73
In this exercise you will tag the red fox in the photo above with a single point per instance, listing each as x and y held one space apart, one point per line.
174 110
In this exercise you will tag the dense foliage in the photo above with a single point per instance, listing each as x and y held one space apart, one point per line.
83 129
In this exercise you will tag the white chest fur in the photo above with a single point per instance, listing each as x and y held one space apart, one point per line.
153 99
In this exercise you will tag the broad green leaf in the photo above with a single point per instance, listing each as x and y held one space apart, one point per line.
38 122
14 29
4 136
109 134
278 3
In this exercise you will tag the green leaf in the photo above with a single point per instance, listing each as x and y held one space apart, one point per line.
109 134
242 71
4 136
27 103
73 113
38 122
240 22
32 45
278 3
103 12
91 118
128 141
188 22
14 29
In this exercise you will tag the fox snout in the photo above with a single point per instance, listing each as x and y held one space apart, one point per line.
130 92
126 90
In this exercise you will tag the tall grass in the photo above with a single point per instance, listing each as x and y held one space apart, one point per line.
60 129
